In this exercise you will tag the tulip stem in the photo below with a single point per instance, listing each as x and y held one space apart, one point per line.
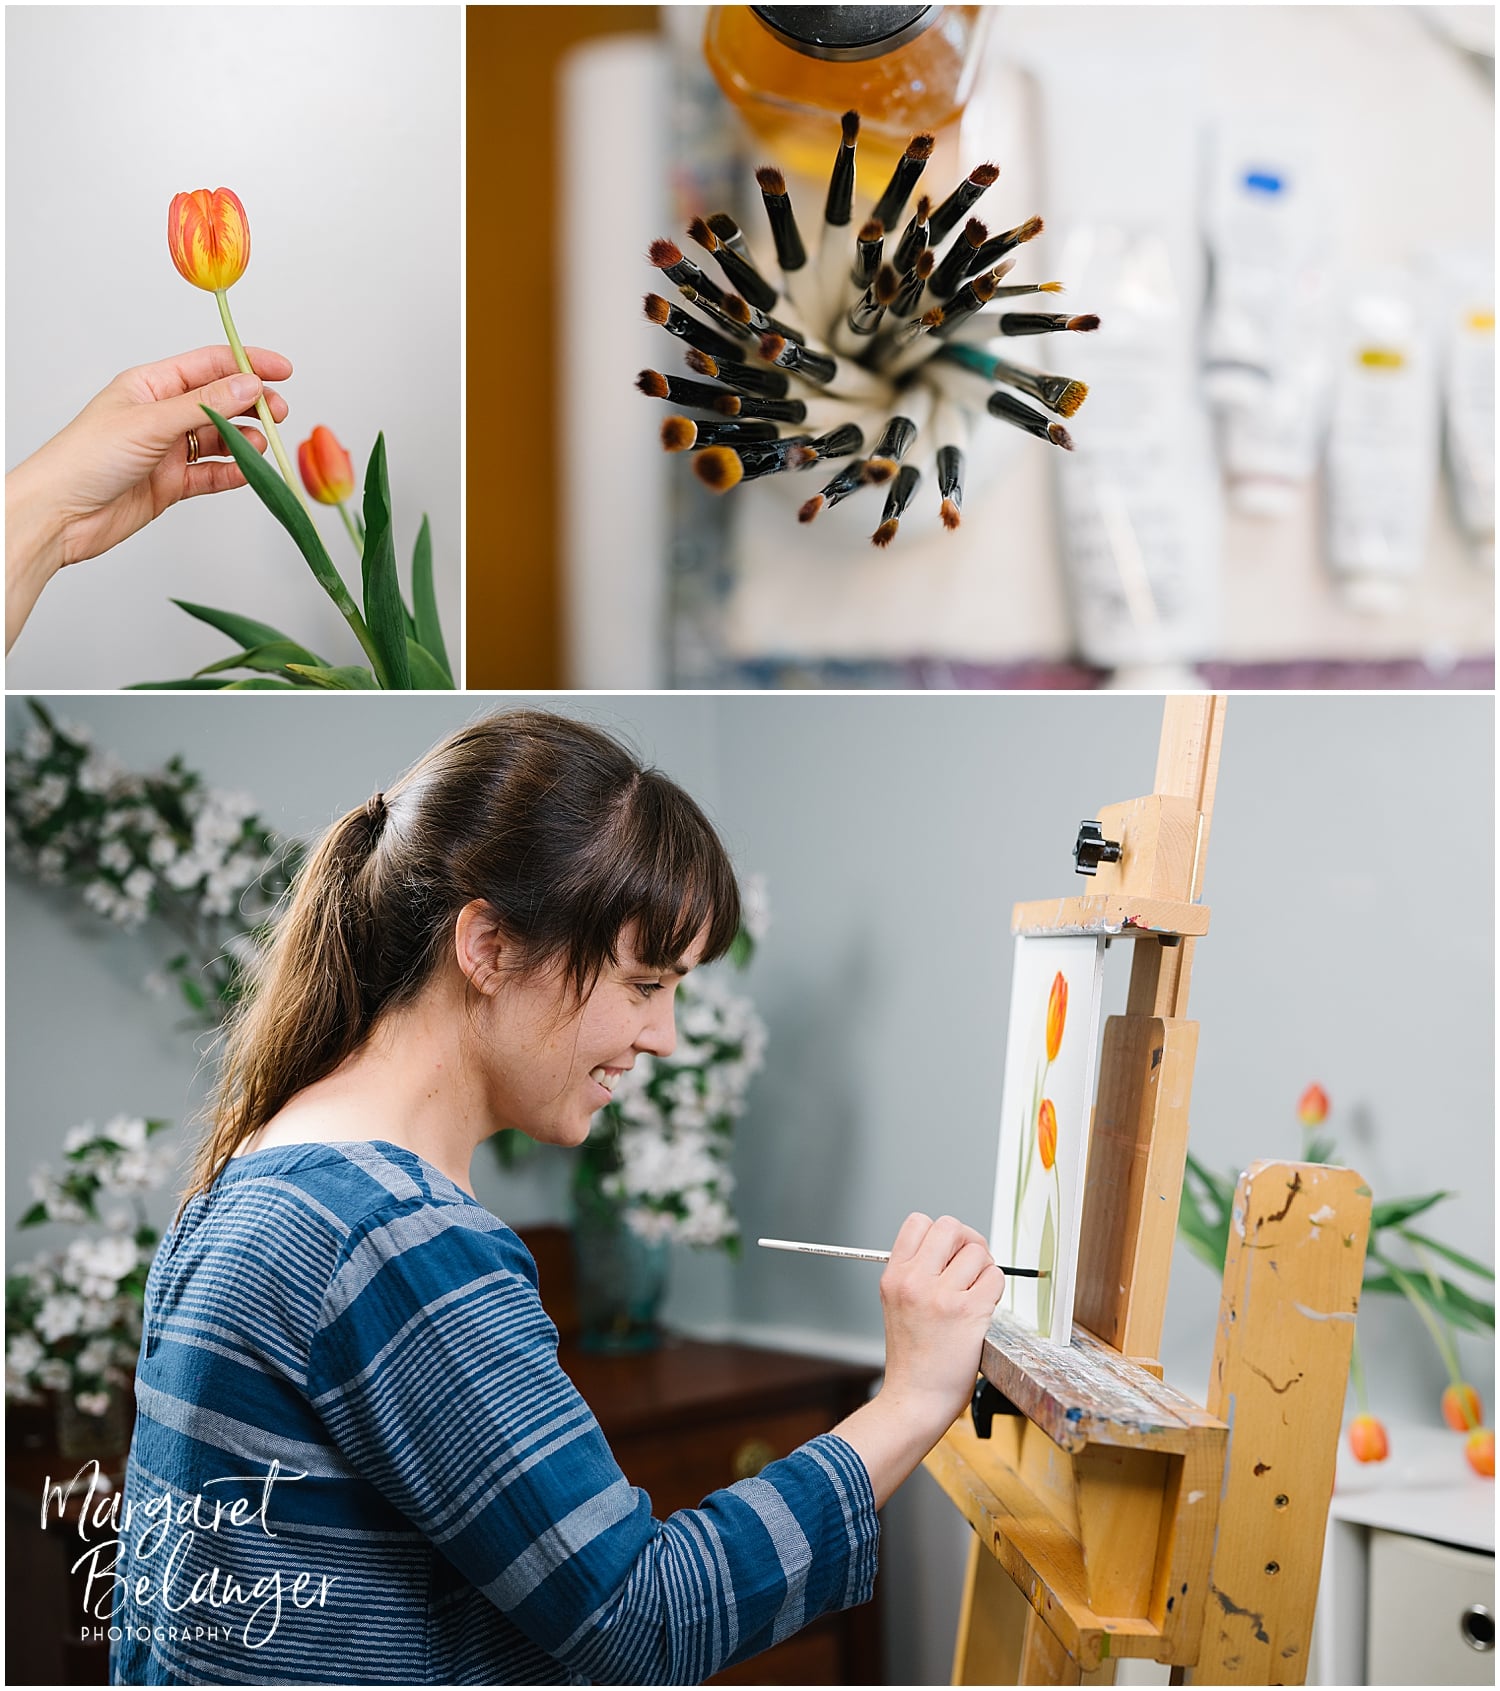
353 528
1357 1369
262 409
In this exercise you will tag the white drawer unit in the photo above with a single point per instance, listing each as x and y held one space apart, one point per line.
1431 1613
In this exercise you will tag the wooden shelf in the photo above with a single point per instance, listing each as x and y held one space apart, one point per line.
1113 915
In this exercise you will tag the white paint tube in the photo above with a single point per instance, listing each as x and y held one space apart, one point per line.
1382 448
1466 285
1267 354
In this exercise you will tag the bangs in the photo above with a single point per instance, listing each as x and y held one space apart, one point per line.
683 883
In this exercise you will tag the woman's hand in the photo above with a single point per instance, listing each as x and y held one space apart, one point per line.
123 460
939 1291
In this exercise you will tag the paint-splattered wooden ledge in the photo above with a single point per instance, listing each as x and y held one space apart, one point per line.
1099 1499
1113 914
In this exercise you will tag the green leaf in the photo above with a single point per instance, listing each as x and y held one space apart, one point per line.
287 509
258 683
1402 1209
244 631
1047 1285
156 1124
272 657
426 671
346 678
384 611
34 1217
192 684
428 629
193 993
1319 1150
1474 1267
1450 1301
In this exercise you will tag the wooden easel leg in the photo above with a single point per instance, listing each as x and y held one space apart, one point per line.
987 1650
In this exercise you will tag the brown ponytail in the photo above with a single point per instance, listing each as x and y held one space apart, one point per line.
553 822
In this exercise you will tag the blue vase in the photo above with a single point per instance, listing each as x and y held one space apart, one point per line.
621 1279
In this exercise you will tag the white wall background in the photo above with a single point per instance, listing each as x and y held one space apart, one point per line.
1350 874
338 127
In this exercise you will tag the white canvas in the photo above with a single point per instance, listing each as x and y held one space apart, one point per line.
1046 1105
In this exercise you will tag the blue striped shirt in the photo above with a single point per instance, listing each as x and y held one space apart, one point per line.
356 1459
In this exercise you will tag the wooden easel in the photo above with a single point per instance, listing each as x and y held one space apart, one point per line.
1113 1516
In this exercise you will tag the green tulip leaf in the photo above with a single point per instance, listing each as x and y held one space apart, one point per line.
429 630
1046 1286
344 679
1397 1210
1456 1257
426 671
191 683
272 657
258 684
244 631
384 611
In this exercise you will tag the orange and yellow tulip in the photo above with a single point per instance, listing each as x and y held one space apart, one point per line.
327 470
1057 1014
1046 1131
1367 1439
208 236
1312 1106
1479 1448
1462 1409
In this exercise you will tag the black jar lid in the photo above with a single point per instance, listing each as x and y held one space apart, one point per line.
845 32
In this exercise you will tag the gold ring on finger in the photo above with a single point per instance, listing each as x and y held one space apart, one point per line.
192 446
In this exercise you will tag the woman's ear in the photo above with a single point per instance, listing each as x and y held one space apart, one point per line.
478 945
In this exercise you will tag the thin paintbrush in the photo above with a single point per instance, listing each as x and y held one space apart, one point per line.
1045 323
1061 394
914 238
1012 410
858 1255
957 205
957 262
993 251
909 167
688 329
689 434
743 378
740 275
903 489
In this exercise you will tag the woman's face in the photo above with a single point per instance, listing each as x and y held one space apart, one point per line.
551 1064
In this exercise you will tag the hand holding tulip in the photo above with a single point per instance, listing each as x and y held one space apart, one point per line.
123 460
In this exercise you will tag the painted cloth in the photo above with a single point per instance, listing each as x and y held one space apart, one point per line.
351 1349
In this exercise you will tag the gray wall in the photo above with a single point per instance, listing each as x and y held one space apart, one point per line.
1350 873
338 127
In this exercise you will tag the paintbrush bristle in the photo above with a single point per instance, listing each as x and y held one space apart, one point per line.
985 175
652 383
849 123
1059 436
871 232
727 405
678 434
975 233
920 147
950 514
772 347
718 468
1084 325
887 284
801 456
664 254
699 231
810 508
733 306
886 533
657 309
700 363
771 180
878 471
925 261
1050 288
1029 230
723 225
1072 396
924 209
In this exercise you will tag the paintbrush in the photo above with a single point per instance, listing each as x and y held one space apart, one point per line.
859 1255
850 355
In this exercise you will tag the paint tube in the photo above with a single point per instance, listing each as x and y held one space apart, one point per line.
1138 496
1267 355
1382 448
1466 285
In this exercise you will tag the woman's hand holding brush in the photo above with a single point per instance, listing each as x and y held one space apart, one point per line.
939 1293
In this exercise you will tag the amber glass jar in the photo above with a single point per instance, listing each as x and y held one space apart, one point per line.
793 70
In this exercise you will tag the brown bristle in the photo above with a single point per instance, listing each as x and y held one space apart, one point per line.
718 468
700 363
801 456
652 383
975 232
772 347
723 225
887 284
733 306
770 179
849 123
663 254
949 514
924 209
1073 395
657 308
985 175
700 232
984 287
925 261
727 405
1059 436
886 533
810 509
1030 229
919 147
878 471
1004 268
1084 325
874 230
1050 288
678 434
931 319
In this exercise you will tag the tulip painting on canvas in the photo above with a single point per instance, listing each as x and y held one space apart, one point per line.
1048 1095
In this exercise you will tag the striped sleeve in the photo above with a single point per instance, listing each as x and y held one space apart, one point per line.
435 1371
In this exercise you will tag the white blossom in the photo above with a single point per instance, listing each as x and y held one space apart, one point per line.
54 1374
36 742
93 1403
50 792
161 851
22 1353
139 885
50 864
59 1317
97 1355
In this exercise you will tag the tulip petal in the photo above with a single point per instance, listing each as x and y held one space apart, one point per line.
208 236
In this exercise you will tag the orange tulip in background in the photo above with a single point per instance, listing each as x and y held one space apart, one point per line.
1367 1439
1046 1131
1462 1409
1479 1447
1312 1106
208 236
327 470
1057 1014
